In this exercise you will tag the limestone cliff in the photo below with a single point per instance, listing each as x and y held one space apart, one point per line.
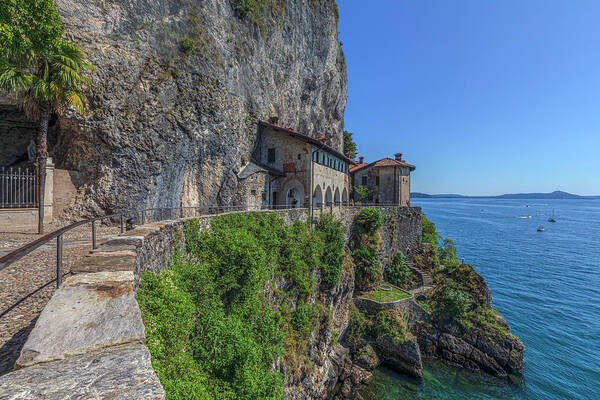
179 86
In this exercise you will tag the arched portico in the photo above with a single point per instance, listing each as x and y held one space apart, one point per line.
328 196
336 196
318 197
345 196
294 194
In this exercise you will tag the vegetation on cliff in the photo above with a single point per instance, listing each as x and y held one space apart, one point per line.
366 245
217 320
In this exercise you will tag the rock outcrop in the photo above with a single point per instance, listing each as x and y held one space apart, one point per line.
178 89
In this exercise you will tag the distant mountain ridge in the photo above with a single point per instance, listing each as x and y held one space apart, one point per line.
557 194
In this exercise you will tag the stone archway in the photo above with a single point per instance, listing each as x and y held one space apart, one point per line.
328 196
318 197
345 196
336 196
294 194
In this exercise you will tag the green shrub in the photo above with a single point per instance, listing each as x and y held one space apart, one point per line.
450 300
305 318
428 232
368 221
357 328
391 323
447 254
332 258
367 266
397 272
364 193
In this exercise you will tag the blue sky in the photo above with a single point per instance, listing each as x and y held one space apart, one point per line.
484 97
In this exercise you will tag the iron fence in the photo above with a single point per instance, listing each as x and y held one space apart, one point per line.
18 188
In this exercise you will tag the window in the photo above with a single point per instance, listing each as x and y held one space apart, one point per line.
377 180
323 159
364 180
315 156
271 155
253 192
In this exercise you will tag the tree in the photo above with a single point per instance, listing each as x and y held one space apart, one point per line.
349 145
43 70
364 193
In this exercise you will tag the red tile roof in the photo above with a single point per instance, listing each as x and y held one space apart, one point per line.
384 162
357 166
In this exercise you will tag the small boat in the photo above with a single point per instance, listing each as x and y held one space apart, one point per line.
540 229
551 219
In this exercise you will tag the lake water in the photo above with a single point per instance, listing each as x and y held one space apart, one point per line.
545 284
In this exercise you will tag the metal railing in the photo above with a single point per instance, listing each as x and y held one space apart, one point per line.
18 188
146 216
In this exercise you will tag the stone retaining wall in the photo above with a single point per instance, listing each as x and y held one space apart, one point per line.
89 340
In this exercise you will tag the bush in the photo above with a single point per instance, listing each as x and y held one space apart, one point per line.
364 193
398 271
367 266
357 328
428 232
368 221
305 318
447 254
451 301
332 258
391 323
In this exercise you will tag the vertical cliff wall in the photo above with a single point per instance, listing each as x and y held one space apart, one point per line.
179 86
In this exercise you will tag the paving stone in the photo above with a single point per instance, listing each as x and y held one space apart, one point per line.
105 261
89 311
119 372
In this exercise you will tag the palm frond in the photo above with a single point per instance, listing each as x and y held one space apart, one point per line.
14 79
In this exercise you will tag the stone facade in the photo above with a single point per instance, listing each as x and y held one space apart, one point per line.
286 167
388 179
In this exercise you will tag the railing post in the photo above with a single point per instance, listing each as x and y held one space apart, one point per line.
122 223
94 235
59 246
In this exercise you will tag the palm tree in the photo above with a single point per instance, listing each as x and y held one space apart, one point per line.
46 77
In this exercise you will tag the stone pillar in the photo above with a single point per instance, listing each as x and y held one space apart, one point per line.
49 191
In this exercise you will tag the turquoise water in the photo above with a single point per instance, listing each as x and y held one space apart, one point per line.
545 284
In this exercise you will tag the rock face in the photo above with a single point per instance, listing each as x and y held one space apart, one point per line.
178 89
476 349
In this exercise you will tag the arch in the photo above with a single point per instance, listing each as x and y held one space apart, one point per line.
294 194
345 196
328 196
336 196
318 197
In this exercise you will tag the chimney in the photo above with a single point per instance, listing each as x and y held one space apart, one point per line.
398 156
274 120
361 159
323 140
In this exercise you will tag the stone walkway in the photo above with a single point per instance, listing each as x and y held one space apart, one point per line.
27 285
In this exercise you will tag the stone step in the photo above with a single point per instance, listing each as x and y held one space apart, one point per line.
88 312
118 372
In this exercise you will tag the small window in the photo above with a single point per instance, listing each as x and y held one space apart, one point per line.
253 192
377 180
271 155
299 156
323 159
364 180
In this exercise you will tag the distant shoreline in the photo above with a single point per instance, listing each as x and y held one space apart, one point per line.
556 195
